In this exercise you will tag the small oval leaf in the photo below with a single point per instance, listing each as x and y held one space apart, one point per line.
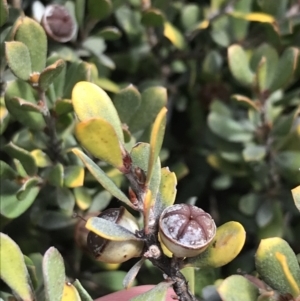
18 59
90 101
33 36
278 266
49 74
70 293
237 288
13 269
239 65
54 275
226 245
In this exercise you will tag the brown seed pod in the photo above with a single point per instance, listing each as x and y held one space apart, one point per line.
186 230
115 251
58 23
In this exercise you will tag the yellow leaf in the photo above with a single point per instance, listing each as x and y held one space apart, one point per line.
70 293
100 139
296 196
174 35
258 17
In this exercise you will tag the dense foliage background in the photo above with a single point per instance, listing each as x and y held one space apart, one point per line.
233 134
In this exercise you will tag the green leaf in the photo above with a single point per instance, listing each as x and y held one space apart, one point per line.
140 154
158 293
189 275
296 196
131 275
33 36
110 33
100 139
54 275
77 71
229 129
285 69
3 12
84 296
102 178
23 156
13 269
90 101
22 90
10 206
227 244
239 65
153 100
18 59
254 153
107 85
80 11
242 288
288 163
109 230
26 187
277 265
6 172
264 61
82 197
247 102
190 14
153 17
127 101
73 176
48 75
55 175
63 106
99 9
31 271
174 36
156 140
21 104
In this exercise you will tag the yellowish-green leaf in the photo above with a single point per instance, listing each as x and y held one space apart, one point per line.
82 197
189 275
100 139
156 140
90 101
254 152
226 245
18 59
277 265
167 188
13 269
41 158
158 293
242 288
70 293
102 178
296 196
174 36
26 187
74 176
54 275
4 119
